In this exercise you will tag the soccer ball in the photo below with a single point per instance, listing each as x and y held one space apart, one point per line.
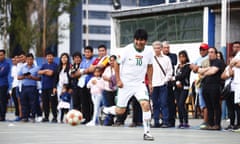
74 117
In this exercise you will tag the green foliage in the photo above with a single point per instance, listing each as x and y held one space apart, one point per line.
28 34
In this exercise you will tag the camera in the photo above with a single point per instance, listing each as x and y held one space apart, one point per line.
26 74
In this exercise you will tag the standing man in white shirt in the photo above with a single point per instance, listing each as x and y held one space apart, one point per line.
14 74
162 73
133 64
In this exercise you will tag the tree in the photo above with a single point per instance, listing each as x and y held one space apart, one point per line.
34 25
4 22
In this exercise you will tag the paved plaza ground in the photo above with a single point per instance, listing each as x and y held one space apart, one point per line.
49 133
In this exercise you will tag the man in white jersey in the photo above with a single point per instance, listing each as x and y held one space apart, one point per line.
133 64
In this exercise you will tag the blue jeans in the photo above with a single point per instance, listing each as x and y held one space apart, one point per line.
224 110
160 103
109 100
202 103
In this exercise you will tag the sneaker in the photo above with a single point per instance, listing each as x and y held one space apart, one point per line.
215 127
39 119
237 130
45 120
17 119
32 120
54 120
2 119
186 125
156 125
230 128
139 124
133 125
24 120
164 126
118 124
171 125
181 126
90 124
105 110
147 136
203 126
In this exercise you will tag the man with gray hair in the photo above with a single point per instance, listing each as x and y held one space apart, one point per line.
171 98
162 73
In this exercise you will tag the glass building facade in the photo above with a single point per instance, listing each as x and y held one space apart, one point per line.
96 20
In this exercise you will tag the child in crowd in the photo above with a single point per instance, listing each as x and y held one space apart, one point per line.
65 100
96 85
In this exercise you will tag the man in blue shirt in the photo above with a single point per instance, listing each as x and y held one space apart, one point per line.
4 71
29 76
47 72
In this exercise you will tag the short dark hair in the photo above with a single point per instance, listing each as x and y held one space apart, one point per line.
49 53
141 34
21 53
3 51
102 46
30 55
215 49
184 53
113 56
89 48
77 54
98 69
66 86
236 42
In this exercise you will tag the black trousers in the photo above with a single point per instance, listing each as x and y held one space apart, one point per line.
63 111
137 112
233 110
211 95
87 105
181 96
49 100
3 101
15 100
77 98
171 106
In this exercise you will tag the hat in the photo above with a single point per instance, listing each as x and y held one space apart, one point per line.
204 46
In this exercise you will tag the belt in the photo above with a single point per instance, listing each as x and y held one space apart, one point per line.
28 86
185 87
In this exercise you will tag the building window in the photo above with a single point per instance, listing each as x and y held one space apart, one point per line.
96 43
176 28
97 15
103 2
150 2
129 2
97 29
172 1
109 2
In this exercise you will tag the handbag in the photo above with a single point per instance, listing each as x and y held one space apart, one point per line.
226 91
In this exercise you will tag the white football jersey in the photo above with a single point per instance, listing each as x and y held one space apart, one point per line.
133 64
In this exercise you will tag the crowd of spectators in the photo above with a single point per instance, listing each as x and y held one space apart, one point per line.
87 83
